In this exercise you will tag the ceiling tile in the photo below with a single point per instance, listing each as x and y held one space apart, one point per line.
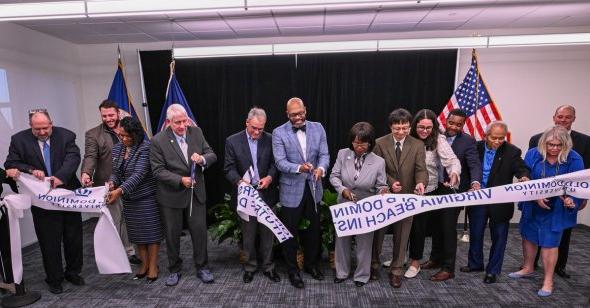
346 29
298 20
204 25
215 35
361 18
158 26
145 17
59 30
113 28
257 32
128 38
399 16
173 36
574 21
441 25
251 22
447 14
392 27
497 17
292 31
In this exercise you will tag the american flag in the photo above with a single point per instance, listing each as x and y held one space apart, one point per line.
473 97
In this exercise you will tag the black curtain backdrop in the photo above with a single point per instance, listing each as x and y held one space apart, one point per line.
338 90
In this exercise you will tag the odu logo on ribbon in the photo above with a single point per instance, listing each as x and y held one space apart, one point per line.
83 192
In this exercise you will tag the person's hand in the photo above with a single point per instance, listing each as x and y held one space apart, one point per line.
186 181
110 185
348 195
453 180
114 195
419 190
383 191
86 180
568 202
12 173
396 187
264 182
475 186
317 174
305 168
243 181
198 159
55 182
524 179
583 205
39 174
542 203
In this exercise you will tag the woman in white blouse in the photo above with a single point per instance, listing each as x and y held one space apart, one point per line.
438 155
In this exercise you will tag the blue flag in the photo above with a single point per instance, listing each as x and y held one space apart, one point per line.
174 95
119 94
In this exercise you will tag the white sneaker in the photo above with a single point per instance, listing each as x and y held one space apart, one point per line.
412 272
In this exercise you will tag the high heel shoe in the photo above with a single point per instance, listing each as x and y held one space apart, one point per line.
151 279
140 276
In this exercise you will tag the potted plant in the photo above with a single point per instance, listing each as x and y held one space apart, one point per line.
226 225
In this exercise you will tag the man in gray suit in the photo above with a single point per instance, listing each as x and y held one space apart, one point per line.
301 155
172 154
252 147
97 164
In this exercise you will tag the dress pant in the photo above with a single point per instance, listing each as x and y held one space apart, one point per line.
6 261
52 228
197 226
418 232
478 219
251 231
563 250
401 234
116 210
343 253
444 235
311 237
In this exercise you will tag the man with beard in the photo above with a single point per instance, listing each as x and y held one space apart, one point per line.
47 151
97 164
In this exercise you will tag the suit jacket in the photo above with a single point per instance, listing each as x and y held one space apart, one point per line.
133 175
238 160
411 168
25 155
371 179
169 166
465 148
97 163
507 164
288 156
581 145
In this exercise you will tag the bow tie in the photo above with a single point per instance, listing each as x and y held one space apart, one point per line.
302 128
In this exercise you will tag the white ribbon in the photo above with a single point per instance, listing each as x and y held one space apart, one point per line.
109 252
379 211
251 204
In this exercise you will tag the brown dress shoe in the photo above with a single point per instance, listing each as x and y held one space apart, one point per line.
374 274
395 280
429 265
442 276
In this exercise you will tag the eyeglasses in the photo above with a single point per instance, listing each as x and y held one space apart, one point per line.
297 114
554 145
424 128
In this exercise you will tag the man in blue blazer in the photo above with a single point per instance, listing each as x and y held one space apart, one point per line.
252 147
301 155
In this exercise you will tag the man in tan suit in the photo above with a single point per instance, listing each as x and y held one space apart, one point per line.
406 173
97 164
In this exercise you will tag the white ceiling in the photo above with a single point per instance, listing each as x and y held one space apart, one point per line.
475 16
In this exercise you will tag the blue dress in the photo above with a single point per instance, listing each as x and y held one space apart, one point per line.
540 226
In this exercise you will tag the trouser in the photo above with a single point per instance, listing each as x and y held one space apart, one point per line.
6 260
444 235
197 226
418 232
478 219
311 236
251 231
401 234
363 249
116 210
563 250
52 228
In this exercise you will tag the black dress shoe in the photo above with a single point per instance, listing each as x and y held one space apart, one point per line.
359 283
375 274
315 273
75 279
561 273
56 288
295 280
151 279
490 278
467 269
248 276
339 280
272 275
133 259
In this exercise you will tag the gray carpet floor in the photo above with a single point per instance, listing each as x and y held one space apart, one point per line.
466 290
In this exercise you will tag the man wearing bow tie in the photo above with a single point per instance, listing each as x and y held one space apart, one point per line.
301 154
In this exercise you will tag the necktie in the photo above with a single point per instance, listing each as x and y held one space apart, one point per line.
184 148
47 157
302 128
398 150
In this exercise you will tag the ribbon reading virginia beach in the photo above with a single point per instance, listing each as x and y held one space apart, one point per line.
378 211
108 250
251 204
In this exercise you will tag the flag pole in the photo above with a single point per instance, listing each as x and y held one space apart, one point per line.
146 111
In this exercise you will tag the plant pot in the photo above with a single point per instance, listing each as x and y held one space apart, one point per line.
300 258
243 258
332 259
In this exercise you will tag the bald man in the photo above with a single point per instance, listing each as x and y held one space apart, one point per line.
564 116
45 150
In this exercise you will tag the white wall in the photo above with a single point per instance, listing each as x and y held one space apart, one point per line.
42 72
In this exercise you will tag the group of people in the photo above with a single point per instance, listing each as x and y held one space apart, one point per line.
156 186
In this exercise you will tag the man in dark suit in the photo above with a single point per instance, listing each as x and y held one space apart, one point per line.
444 236
97 164
565 116
48 151
405 167
252 147
501 162
172 154
301 154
